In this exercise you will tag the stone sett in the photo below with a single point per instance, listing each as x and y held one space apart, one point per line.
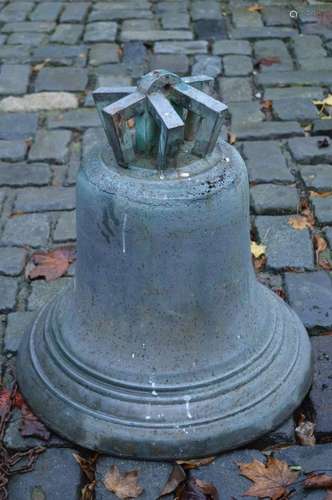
32 230
33 27
274 199
104 53
273 48
275 94
268 130
50 146
276 16
60 55
285 247
65 229
14 54
207 65
321 391
302 110
14 79
74 12
309 150
46 11
17 324
24 174
177 63
310 295
185 47
76 119
245 113
15 11
235 89
265 162
69 34
8 292
322 209
70 79
27 39
12 260
205 9
152 476
242 18
100 32
18 125
13 150
45 199
322 127
210 29
236 65
317 177
55 475
239 47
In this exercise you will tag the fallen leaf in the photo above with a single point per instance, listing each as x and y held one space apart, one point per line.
255 8
177 476
257 250
5 401
318 481
319 244
123 485
324 102
267 61
87 465
50 265
195 463
196 489
325 264
304 432
30 425
87 492
266 105
259 263
38 67
231 138
269 480
304 221
323 143
325 194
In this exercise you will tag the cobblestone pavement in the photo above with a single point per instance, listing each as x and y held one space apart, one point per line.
269 65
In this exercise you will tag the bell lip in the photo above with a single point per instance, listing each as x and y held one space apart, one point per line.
124 440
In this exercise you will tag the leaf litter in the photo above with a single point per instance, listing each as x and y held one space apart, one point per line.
50 265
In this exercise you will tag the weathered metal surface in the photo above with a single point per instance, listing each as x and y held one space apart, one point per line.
161 97
165 346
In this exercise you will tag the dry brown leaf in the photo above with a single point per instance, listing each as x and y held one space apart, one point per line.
195 463
196 489
305 432
266 105
87 465
267 61
30 425
301 222
270 480
50 265
325 264
255 8
325 194
317 481
87 492
176 477
38 67
319 244
231 138
124 485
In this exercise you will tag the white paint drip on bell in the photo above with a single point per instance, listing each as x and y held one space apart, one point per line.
187 400
124 224
154 392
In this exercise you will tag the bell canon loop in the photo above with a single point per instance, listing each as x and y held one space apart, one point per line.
165 345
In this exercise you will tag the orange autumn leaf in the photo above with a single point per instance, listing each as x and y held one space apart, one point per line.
231 138
266 105
255 8
195 462
270 480
316 481
124 485
51 265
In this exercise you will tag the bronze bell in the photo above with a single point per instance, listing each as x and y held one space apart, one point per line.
165 345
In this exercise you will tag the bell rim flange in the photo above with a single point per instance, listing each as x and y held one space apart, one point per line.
179 441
